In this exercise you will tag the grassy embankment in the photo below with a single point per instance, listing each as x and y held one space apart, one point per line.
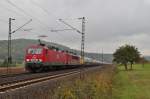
133 84
95 85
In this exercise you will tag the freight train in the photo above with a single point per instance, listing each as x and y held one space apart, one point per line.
41 57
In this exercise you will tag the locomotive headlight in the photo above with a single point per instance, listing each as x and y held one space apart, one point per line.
27 60
40 60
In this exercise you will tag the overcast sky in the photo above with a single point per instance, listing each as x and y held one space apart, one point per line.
109 23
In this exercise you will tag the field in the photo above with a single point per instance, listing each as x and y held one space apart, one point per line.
94 85
11 70
132 84
105 83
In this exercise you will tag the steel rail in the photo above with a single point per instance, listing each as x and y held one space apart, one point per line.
13 75
11 86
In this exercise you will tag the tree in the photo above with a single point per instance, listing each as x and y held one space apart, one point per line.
126 54
142 61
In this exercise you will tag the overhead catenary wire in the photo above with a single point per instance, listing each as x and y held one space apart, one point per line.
23 11
48 13
20 9
22 26
45 26
38 5
13 11
26 13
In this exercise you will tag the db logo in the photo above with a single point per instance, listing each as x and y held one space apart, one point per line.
34 57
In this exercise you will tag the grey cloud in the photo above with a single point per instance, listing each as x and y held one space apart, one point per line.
109 23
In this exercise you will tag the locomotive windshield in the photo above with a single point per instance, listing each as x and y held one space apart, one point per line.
34 51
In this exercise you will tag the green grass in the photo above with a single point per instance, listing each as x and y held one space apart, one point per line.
132 84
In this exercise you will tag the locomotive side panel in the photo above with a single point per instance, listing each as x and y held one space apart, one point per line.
39 58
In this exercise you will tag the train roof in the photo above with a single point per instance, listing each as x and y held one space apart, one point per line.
52 48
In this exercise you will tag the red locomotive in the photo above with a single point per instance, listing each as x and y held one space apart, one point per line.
41 57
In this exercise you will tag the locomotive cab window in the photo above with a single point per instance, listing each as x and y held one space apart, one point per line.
34 51
46 51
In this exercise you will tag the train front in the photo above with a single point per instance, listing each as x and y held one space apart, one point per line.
34 58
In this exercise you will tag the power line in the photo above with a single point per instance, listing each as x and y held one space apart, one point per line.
9 40
25 12
82 32
20 9
47 12
12 11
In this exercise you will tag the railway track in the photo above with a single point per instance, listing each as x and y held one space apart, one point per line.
13 75
11 86
28 76
7 84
